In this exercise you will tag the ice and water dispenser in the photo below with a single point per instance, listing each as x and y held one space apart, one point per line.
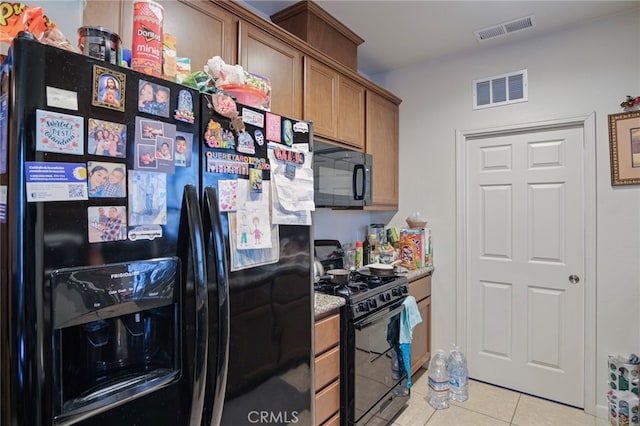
116 332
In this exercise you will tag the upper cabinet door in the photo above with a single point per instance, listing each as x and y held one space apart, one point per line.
321 98
202 29
351 112
383 145
263 54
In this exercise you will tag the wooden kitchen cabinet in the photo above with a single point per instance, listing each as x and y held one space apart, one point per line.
263 54
202 29
382 142
334 103
421 342
327 370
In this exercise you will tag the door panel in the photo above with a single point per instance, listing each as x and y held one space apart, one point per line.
525 238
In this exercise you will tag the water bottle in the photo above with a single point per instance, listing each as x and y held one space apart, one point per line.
438 381
458 375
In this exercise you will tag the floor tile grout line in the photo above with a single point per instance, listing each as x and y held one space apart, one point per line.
513 416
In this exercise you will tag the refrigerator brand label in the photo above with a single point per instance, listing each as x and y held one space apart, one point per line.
56 181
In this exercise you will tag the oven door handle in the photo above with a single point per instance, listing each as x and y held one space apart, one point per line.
377 317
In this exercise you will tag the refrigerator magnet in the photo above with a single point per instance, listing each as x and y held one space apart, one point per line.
287 132
107 223
185 107
49 181
153 98
106 180
147 198
108 88
106 138
245 143
57 132
255 180
273 127
183 149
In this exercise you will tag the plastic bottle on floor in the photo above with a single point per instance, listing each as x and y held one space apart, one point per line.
458 375
438 381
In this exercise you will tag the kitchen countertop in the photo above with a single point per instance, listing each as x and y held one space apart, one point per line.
419 273
326 304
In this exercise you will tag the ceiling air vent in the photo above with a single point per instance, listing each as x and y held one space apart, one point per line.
505 28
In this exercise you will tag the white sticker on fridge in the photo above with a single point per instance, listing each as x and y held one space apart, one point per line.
61 98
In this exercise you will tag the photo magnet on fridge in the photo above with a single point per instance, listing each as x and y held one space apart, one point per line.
108 88
107 223
107 138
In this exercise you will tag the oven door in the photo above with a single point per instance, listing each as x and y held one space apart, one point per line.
376 337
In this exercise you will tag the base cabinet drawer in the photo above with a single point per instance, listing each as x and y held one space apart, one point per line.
333 421
327 402
327 367
327 333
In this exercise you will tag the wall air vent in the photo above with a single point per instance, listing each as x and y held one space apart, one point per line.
505 28
499 90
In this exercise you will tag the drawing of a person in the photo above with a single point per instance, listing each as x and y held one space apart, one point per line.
244 230
257 233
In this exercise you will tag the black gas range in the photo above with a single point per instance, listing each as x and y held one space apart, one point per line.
371 382
366 293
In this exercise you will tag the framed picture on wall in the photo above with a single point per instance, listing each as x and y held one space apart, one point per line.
624 146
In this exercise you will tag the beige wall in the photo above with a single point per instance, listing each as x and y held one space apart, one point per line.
573 73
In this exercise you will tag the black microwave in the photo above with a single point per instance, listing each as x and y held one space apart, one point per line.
342 176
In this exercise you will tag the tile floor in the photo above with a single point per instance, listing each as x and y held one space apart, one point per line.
487 406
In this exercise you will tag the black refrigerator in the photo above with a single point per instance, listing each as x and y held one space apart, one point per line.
248 156
126 295
109 295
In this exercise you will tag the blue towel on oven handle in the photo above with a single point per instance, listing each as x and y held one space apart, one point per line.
409 318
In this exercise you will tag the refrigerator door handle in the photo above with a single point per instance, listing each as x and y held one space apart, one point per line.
217 261
191 242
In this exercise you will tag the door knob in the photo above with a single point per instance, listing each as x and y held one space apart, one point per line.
574 279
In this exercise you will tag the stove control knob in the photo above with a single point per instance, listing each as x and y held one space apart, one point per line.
362 307
404 289
395 292
383 297
372 303
387 297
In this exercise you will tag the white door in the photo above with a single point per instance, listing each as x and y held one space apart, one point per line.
525 256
